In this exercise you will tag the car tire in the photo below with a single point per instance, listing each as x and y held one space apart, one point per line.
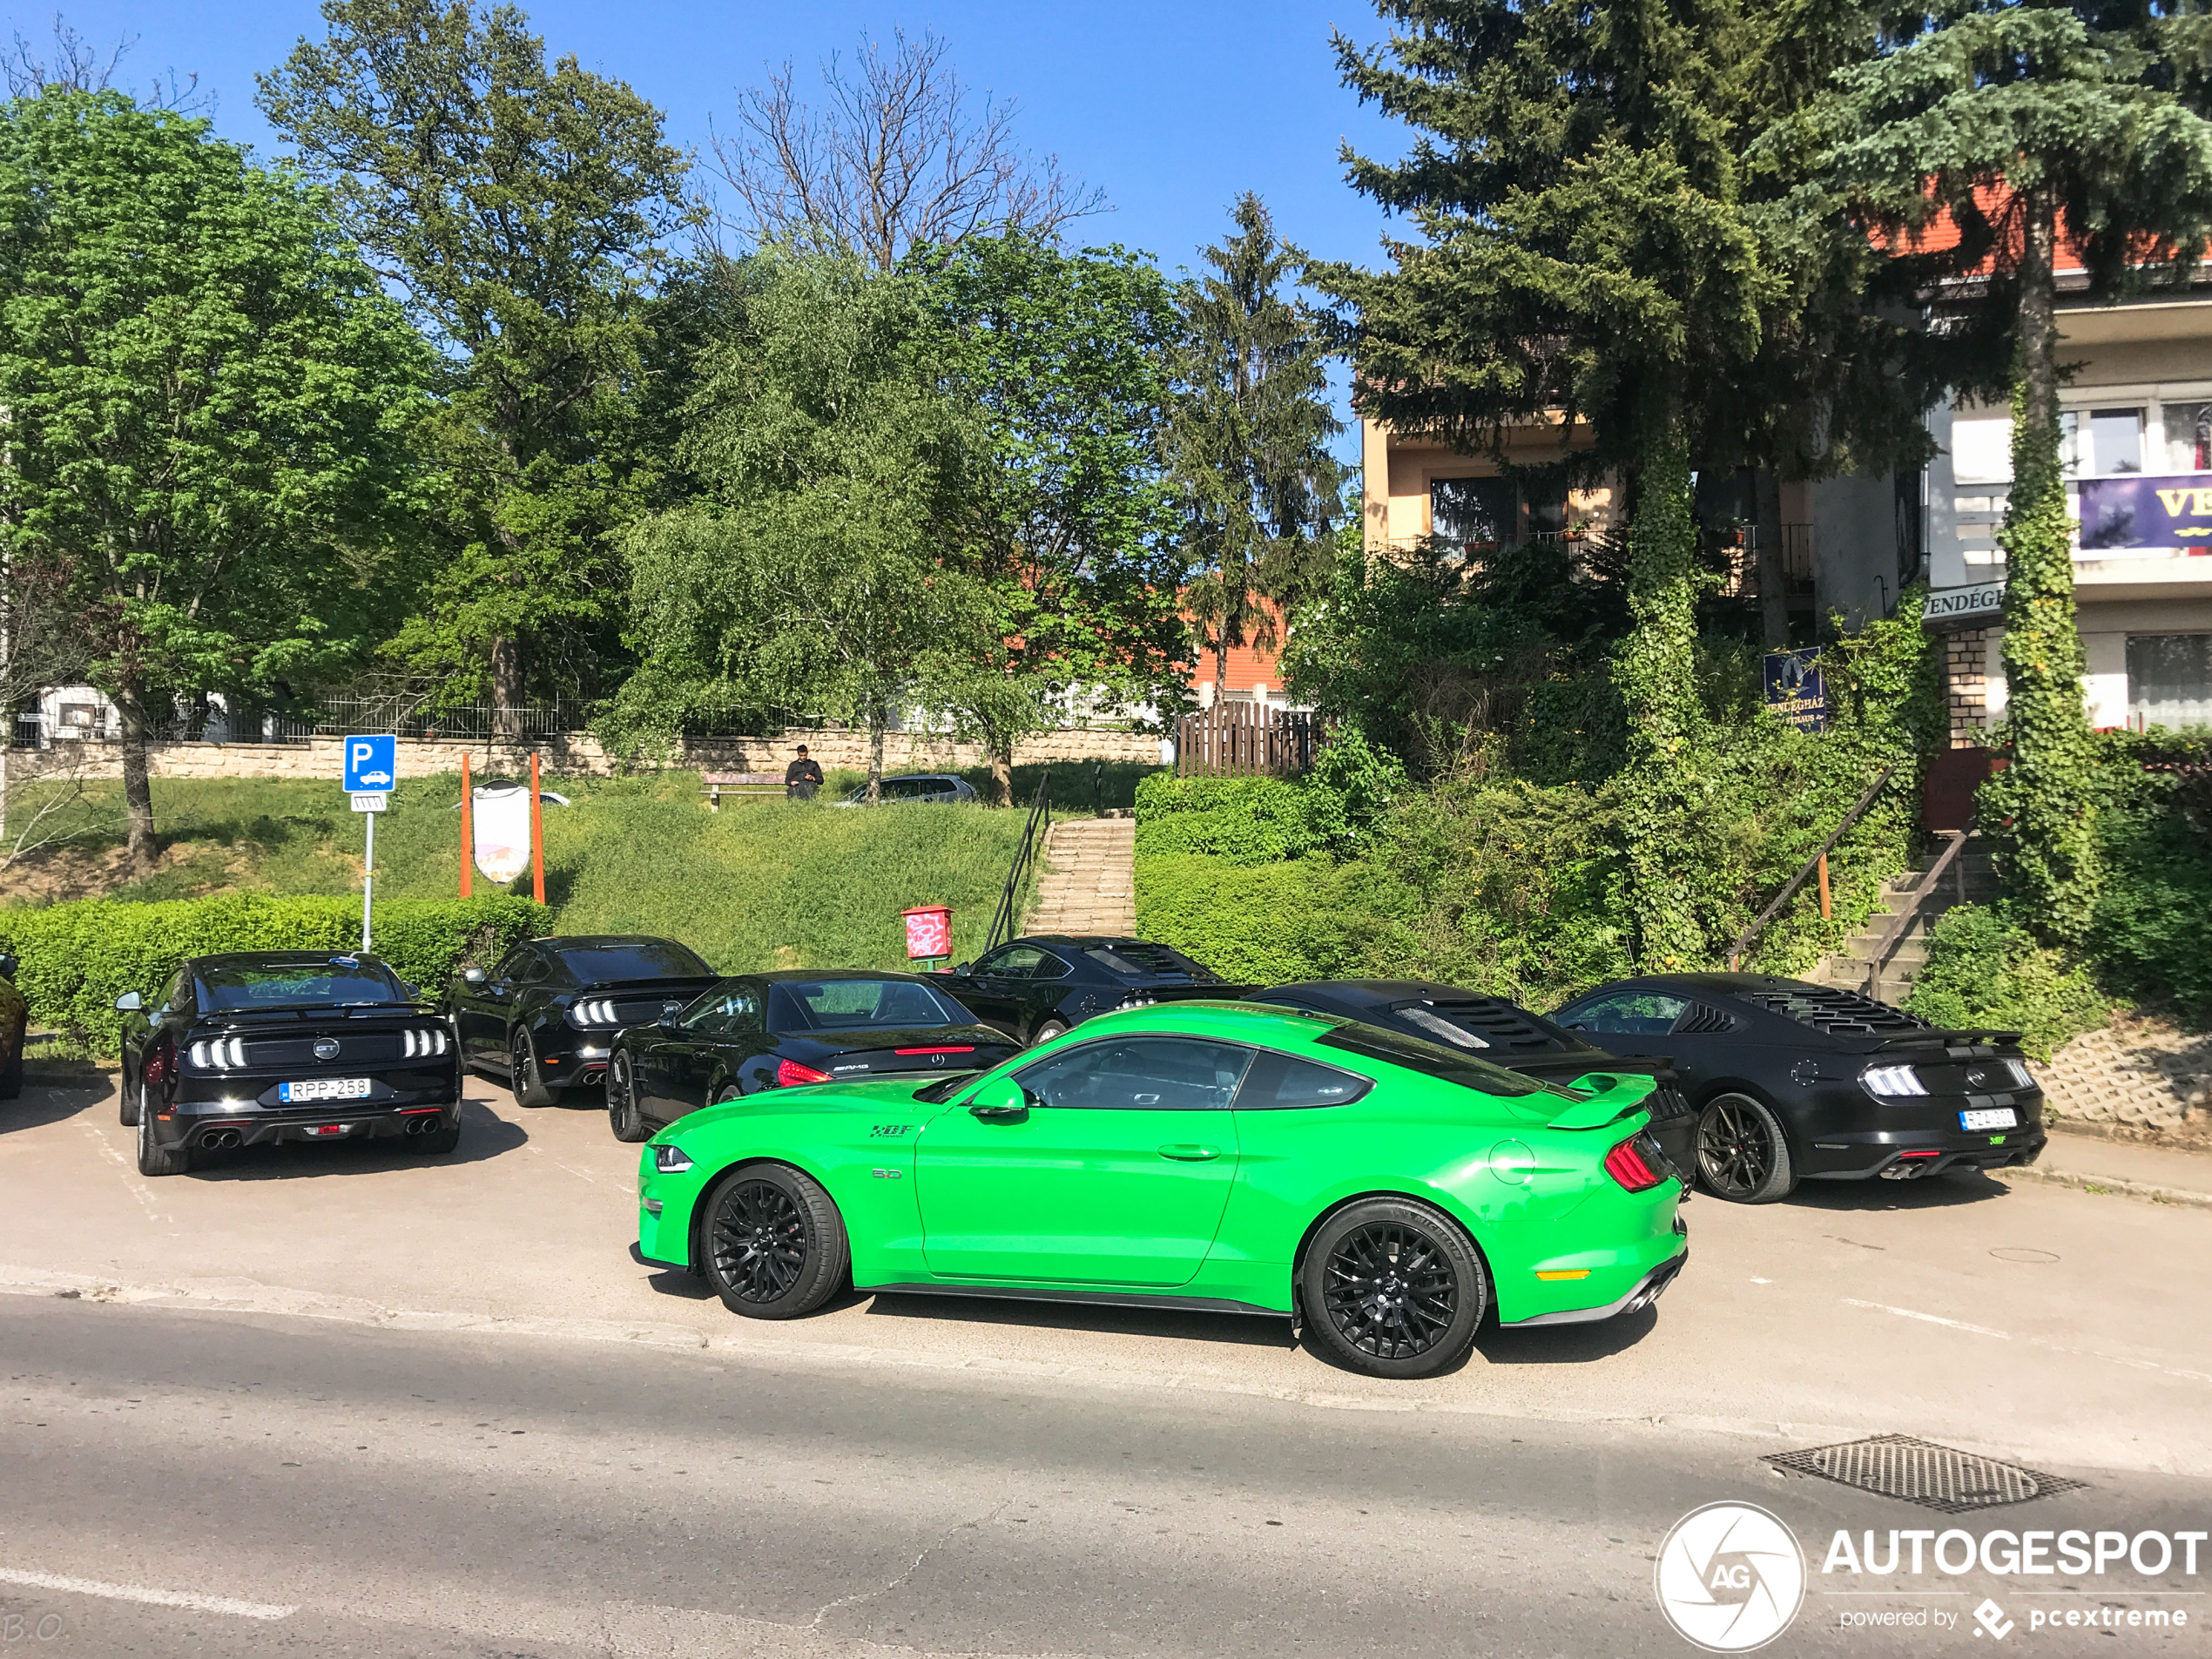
155 1159
11 1074
772 1244
437 1142
523 1079
1742 1155
128 1092
725 1093
1048 1031
622 1100
1392 1288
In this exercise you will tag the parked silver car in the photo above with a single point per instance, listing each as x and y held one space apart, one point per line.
941 787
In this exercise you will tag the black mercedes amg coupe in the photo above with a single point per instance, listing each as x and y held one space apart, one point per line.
1034 988
794 1026
1795 1081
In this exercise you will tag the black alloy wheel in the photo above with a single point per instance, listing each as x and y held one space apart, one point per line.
774 1245
623 1110
1742 1155
1393 1289
523 1080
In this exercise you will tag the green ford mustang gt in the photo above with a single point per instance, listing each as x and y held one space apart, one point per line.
1386 1191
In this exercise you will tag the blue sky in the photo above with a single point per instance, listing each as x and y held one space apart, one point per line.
1171 108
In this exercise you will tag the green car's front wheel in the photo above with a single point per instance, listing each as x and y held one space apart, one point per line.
773 1244
1392 1288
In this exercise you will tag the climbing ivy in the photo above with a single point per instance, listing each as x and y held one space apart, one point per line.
2043 803
1654 669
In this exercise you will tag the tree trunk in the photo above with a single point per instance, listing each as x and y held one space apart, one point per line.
878 719
138 792
506 688
1001 758
1774 584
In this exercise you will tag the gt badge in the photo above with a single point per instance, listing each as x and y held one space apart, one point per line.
888 1132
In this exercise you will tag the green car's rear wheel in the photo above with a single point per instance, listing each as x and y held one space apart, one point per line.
773 1244
1392 1288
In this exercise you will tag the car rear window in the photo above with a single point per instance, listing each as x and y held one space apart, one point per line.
1136 959
1280 1082
1430 1059
632 959
859 1005
291 984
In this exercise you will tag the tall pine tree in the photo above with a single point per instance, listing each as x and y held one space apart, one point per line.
2011 130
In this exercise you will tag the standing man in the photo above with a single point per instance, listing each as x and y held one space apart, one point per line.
802 778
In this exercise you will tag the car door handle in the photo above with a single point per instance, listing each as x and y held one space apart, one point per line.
1189 1152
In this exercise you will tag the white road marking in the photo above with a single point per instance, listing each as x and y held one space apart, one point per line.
131 1177
2038 1342
189 1600
1930 1319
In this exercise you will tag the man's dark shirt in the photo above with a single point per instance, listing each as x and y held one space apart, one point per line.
801 779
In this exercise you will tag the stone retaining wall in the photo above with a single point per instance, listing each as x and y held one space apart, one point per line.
2136 1080
573 755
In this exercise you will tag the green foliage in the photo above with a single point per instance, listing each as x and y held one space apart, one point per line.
1985 971
1255 924
2043 802
1654 668
78 958
1247 439
1061 516
2152 936
1241 821
523 211
1362 775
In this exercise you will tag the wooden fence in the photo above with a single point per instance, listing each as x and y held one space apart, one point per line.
1245 740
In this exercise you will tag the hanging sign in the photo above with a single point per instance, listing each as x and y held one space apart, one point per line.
1795 690
501 817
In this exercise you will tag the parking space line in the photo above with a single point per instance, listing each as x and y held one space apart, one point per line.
189 1600
128 1174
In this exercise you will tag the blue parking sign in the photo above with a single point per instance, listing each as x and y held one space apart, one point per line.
372 764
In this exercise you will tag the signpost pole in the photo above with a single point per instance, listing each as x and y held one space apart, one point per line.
369 770
467 828
369 876
537 836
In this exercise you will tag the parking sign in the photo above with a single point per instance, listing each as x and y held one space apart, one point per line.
372 764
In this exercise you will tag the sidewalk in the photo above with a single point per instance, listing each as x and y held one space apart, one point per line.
2165 1175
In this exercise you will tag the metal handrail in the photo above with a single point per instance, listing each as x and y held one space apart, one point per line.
1817 861
1895 928
1004 919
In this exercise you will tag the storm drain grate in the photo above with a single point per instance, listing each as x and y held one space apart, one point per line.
1935 1477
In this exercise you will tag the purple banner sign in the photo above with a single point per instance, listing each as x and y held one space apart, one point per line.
2171 515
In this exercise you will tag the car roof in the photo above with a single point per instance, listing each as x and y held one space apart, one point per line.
1829 1009
816 976
1498 1018
606 941
283 959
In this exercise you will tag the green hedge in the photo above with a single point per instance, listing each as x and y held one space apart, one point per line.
1985 970
1245 821
1260 924
78 958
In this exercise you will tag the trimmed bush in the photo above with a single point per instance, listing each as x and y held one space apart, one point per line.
1245 821
1983 970
78 958
1258 924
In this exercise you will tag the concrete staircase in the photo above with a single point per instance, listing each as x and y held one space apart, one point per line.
1090 880
1849 968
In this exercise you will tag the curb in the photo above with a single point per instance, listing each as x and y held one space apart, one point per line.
2108 1184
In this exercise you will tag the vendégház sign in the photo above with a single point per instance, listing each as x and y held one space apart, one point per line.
1796 690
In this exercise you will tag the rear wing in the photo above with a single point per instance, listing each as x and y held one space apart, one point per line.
1975 1037
1606 1097
650 986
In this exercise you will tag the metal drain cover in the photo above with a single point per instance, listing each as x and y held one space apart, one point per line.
1935 1477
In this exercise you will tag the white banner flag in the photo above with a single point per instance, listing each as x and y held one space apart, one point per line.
503 829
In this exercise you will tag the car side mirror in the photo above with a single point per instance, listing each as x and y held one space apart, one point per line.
128 1002
472 976
1000 1101
667 1021
6 965
963 968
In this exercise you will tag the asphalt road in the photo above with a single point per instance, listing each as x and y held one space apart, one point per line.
340 1400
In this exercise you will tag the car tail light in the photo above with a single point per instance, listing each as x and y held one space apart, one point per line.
1893 1080
422 1045
789 1073
595 1010
219 1054
159 1063
967 1047
1636 1164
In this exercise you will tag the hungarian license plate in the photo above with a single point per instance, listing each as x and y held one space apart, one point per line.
1995 1118
324 1088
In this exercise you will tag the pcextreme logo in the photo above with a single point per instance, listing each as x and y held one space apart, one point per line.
1730 1577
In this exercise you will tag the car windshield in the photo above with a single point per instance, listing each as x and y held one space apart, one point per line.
1429 1059
631 958
1138 959
859 1005
251 984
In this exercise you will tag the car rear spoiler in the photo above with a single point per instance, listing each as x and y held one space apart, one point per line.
1606 1097
648 986
1969 1038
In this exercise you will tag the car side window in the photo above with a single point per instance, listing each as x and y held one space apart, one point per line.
1279 1083
1637 1014
511 965
1014 961
721 1011
1140 1074
178 997
529 967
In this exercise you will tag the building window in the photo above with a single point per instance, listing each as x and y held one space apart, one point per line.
2169 679
1472 512
2115 442
2195 436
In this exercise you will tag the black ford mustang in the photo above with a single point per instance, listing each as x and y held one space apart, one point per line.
1035 988
266 1046
780 1030
547 1014
1503 1032
1795 1081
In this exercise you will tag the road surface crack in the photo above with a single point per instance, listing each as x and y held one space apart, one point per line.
913 1567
